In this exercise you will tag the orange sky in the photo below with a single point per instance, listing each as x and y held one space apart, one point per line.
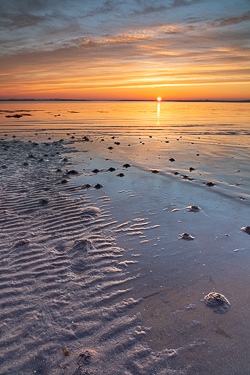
176 49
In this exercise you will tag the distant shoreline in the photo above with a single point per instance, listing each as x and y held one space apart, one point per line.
127 100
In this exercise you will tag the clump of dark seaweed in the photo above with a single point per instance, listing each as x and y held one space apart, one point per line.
217 302
43 201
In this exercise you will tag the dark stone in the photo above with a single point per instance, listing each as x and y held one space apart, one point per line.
72 172
86 186
126 165
209 184
98 186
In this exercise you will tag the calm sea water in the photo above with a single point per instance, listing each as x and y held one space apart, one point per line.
225 122
218 132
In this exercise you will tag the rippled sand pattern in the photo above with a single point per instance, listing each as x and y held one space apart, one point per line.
64 300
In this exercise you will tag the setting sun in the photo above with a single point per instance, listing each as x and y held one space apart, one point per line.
159 99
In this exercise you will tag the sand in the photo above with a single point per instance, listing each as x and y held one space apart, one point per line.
95 278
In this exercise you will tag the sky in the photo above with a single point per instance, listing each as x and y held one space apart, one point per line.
125 49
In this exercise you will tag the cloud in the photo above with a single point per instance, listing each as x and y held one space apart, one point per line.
229 21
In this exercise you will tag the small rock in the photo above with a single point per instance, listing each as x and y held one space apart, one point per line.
126 165
111 169
98 186
95 170
120 175
86 186
209 184
171 159
72 172
217 302
155 171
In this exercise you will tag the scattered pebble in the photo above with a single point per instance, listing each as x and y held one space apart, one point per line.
64 181
120 175
72 172
98 186
171 159
126 165
217 302
209 184
154 171
86 186
96 170
191 169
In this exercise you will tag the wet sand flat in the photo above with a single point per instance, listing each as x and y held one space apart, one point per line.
96 274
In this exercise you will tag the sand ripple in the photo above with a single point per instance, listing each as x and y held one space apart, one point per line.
64 297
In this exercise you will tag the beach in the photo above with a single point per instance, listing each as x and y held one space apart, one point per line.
117 220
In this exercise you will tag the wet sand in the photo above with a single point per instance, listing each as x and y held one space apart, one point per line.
97 280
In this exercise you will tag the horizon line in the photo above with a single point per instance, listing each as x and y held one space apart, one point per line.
128 100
